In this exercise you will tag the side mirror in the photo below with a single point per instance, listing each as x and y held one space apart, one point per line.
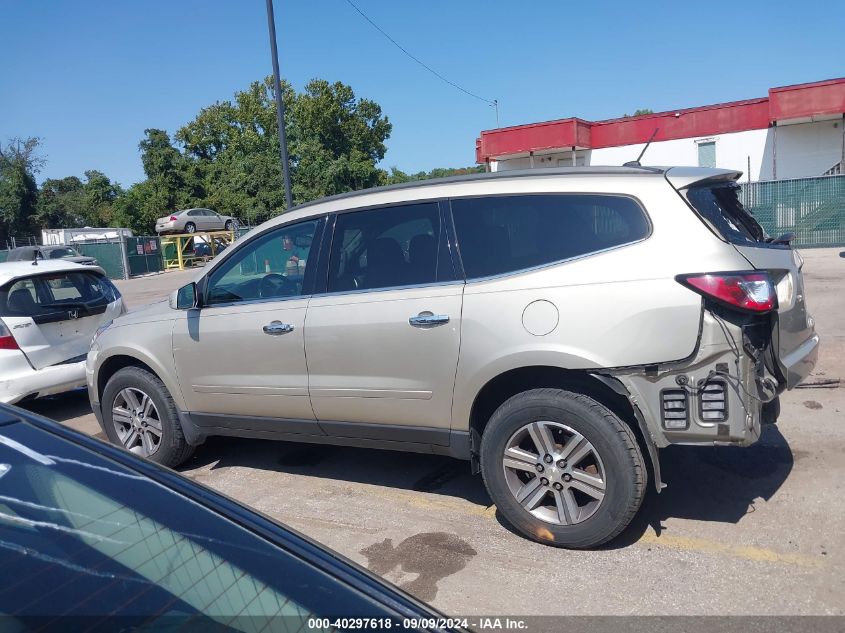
185 298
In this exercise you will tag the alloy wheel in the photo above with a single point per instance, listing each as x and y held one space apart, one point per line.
554 472
136 421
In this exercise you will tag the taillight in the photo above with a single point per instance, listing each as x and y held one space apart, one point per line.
173 218
7 341
751 291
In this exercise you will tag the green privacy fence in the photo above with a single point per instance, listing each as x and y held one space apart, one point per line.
143 254
109 256
812 208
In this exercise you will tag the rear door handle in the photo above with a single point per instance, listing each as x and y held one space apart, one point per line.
275 328
427 318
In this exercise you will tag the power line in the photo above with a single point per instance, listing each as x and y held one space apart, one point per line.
490 102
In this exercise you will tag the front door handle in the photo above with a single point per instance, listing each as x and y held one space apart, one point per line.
428 319
274 328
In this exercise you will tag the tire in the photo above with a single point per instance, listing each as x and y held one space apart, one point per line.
610 459
229 226
171 449
190 227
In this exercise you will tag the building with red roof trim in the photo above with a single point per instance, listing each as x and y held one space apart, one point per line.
794 132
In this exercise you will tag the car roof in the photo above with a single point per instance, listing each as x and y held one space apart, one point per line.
689 175
18 270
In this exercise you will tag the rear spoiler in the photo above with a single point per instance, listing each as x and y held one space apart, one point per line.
685 177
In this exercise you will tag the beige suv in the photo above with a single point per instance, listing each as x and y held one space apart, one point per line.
556 328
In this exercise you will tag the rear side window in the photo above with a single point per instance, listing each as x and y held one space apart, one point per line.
721 209
47 298
503 234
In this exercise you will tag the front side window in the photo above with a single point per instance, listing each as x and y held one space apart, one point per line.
270 266
503 234
386 247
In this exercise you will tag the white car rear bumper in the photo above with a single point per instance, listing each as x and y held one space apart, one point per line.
18 379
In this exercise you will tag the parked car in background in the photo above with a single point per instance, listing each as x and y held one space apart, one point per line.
96 537
193 220
554 327
203 249
49 311
66 253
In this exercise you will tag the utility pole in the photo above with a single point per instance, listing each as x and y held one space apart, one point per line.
280 104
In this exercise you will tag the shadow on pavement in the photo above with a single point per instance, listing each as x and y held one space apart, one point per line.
61 407
392 469
713 483
719 484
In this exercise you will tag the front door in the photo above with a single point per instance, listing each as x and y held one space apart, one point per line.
241 355
383 342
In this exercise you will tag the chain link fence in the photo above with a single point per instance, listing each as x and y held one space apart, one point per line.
812 208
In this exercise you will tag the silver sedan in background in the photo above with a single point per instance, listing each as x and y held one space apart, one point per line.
193 220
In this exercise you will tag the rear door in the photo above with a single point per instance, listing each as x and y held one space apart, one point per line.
718 205
54 315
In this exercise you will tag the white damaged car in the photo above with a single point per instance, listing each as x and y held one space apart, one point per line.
49 312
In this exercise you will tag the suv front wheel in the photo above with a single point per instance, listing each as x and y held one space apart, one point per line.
139 414
562 468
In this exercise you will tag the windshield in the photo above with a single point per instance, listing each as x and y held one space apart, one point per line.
721 208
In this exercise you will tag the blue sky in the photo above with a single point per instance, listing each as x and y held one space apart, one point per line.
88 76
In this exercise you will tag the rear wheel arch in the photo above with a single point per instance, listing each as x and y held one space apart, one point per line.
501 388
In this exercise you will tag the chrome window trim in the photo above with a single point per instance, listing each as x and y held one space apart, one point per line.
229 304
337 293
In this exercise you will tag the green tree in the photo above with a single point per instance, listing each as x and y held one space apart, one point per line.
19 162
397 175
641 112
61 203
335 141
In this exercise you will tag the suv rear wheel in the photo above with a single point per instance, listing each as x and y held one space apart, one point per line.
562 468
140 416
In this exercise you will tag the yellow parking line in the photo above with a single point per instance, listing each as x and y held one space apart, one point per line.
747 552
686 543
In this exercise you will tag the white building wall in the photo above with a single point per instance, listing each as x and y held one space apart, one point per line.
803 150
808 149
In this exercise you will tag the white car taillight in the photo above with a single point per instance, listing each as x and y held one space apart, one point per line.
7 341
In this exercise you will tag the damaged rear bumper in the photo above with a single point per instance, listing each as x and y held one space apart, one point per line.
715 397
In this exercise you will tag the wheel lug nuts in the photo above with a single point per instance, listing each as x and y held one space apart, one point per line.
548 459
558 486
540 468
561 463
567 477
544 481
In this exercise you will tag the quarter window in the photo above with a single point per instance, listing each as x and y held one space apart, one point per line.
503 234
387 247
268 267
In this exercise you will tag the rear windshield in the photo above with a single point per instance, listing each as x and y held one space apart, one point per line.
58 253
50 297
719 206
